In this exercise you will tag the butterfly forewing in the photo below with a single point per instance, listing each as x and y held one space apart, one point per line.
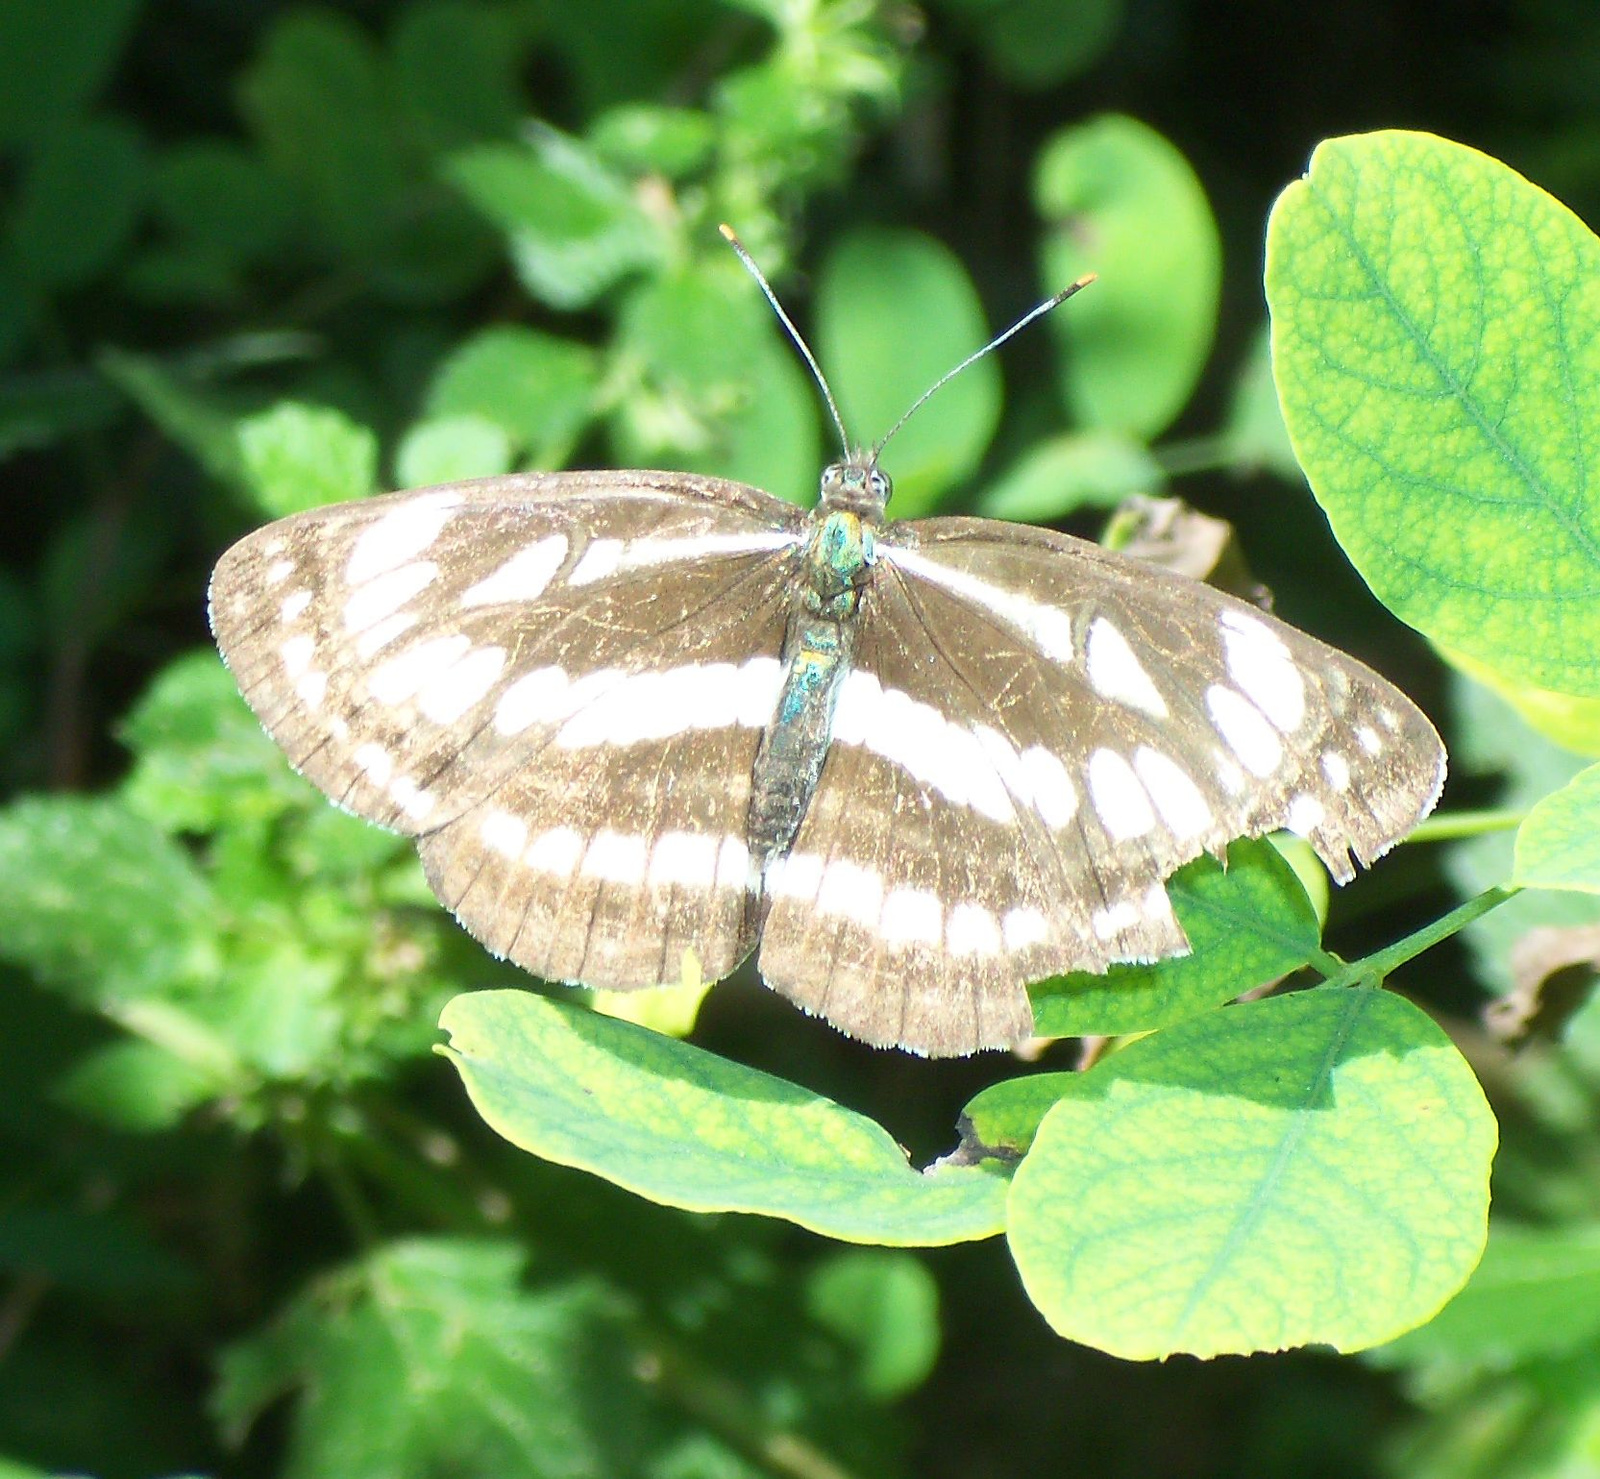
557 682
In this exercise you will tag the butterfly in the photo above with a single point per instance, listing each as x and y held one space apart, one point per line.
639 722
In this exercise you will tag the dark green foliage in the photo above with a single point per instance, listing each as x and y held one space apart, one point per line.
254 258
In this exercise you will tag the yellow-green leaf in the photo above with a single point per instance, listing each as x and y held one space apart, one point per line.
689 1129
1304 1169
1436 342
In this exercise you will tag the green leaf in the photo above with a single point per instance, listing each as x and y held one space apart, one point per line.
220 199
39 408
885 1306
1436 340
895 311
201 758
572 226
717 390
54 57
643 138
1558 843
1067 473
1039 43
688 1129
193 419
430 1358
137 1087
1510 766
78 203
1310 1168
295 457
1254 435
99 902
450 448
1573 723
535 387
1002 1121
1536 1294
326 108
1118 199
1248 924
88 1252
456 68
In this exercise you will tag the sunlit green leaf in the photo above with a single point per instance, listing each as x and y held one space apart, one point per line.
1123 202
895 311
1558 844
1304 1169
1436 341
296 457
683 1127
1066 473
572 227
1247 924
536 388
450 448
100 902
428 1357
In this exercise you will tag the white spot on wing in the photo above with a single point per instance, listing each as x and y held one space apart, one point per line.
934 751
386 594
972 930
297 653
411 798
615 857
794 876
505 834
448 695
399 678
555 852
294 606
279 571
1106 923
1247 733
1306 814
311 688
851 891
1048 627
1259 663
1115 673
687 858
372 641
400 535
375 762
1050 788
911 916
599 559
1024 926
523 577
1336 769
1367 738
1119 800
733 866
1182 806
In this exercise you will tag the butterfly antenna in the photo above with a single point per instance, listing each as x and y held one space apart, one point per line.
972 358
794 333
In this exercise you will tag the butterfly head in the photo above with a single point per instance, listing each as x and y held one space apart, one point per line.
856 485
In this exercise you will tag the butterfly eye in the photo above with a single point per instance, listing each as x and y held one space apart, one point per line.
879 486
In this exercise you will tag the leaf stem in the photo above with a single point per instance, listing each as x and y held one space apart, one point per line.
1382 963
1453 824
